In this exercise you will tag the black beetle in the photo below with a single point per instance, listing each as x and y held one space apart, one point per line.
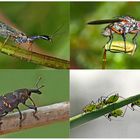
10 101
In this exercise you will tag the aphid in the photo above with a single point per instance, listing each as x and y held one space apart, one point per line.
136 103
110 99
120 25
102 101
10 101
90 107
19 37
116 113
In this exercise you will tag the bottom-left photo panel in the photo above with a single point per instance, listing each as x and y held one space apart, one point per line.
34 103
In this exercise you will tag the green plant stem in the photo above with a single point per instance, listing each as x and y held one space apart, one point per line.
86 117
35 57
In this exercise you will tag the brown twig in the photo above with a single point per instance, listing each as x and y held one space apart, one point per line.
45 115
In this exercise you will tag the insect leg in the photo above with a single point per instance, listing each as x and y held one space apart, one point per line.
4 114
108 116
20 114
124 112
124 39
134 42
5 41
31 106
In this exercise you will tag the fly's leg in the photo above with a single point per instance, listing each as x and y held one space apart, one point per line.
124 39
110 40
134 42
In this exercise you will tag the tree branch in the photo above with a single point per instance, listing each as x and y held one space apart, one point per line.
86 117
35 57
45 115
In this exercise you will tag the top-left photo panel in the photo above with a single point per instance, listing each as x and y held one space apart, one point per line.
34 35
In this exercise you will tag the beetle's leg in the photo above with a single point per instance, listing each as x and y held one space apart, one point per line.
31 106
4 114
20 114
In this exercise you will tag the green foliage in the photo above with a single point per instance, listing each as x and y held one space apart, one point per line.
87 42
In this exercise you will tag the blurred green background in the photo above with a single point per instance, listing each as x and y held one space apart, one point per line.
56 90
87 42
35 18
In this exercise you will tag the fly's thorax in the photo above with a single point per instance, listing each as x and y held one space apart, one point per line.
107 32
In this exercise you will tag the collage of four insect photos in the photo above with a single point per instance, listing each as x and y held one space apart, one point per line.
69 69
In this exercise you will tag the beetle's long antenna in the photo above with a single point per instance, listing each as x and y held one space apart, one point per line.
36 84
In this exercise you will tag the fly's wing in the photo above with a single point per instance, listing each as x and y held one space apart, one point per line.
105 21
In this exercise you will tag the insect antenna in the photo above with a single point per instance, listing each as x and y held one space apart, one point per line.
45 37
36 84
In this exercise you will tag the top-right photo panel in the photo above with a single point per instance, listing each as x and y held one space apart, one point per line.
105 35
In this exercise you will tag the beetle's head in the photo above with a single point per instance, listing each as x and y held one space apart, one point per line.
36 89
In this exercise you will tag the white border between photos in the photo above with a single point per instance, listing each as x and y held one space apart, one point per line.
69 0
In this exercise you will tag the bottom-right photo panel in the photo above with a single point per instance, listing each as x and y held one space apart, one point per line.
105 104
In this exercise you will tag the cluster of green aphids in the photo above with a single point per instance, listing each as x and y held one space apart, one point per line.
108 100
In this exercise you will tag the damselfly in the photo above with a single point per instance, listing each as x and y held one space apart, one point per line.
9 32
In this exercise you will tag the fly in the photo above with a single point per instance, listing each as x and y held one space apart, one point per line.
120 25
